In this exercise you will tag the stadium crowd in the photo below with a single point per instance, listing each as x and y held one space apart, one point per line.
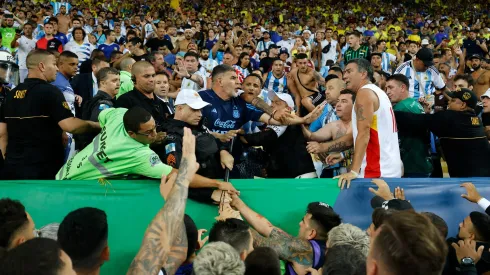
199 91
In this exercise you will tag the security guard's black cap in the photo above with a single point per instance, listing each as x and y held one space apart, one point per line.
324 214
465 95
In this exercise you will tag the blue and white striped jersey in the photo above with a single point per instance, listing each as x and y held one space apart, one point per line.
278 85
421 83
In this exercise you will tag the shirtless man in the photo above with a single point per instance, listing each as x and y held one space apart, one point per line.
303 82
480 75
64 21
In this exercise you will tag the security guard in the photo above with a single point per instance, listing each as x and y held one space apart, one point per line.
35 114
188 107
108 81
460 130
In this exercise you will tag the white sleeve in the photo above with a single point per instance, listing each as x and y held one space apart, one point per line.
278 129
392 57
438 82
484 203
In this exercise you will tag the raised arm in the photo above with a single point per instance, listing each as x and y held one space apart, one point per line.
165 242
257 221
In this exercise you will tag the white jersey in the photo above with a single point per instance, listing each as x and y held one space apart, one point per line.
189 84
421 83
25 46
208 64
331 54
382 158
83 51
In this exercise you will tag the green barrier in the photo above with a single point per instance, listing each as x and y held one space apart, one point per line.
131 205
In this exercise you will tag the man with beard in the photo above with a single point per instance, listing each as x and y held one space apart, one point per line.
303 83
480 75
475 230
207 62
276 79
192 78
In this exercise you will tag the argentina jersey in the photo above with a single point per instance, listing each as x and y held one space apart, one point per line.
222 116
277 85
83 50
386 60
421 83
245 72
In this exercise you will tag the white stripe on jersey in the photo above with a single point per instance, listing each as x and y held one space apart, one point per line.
429 80
278 85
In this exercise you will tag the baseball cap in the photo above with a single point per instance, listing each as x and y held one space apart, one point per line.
486 94
266 31
426 56
394 204
282 96
191 98
274 46
475 56
425 42
180 30
324 214
465 95
284 50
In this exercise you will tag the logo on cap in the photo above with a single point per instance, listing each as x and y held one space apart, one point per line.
466 96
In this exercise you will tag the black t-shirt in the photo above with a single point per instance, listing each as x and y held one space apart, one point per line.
155 43
266 64
32 111
137 58
155 106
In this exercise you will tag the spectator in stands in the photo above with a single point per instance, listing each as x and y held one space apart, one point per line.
109 45
35 114
348 234
156 59
16 225
414 149
194 243
218 258
299 252
49 42
83 235
438 222
86 66
463 138
407 239
234 232
125 76
85 84
263 261
37 256
192 77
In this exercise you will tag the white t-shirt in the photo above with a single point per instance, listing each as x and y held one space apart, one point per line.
208 65
25 46
332 52
189 84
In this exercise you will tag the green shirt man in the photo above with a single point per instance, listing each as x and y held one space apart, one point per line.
414 151
126 83
361 52
113 153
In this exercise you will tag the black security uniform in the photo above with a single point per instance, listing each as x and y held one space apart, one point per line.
3 93
462 138
207 154
288 157
91 111
32 111
156 107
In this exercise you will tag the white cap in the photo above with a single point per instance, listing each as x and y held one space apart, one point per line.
425 42
282 96
307 31
486 94
191 98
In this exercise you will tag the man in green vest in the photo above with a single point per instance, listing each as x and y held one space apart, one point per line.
125 76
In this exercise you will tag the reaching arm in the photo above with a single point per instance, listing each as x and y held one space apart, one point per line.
3 138
164 244
77 126
324 134
257 221
287 247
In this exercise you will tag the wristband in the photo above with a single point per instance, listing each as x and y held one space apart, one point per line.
342 155
189 77
354 173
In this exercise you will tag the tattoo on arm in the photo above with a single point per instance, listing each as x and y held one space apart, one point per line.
487 131
359 113
287 247
318 77
163 243
338 147
260 104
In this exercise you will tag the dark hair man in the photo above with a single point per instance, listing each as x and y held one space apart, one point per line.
16 225
344 260
234 232
463 138
262 261
83 235
37 256
36 113
406 243
306 250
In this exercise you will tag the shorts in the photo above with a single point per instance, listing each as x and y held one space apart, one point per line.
316 99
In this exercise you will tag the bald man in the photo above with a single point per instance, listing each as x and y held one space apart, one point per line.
333 86
35 114
143 76
125 76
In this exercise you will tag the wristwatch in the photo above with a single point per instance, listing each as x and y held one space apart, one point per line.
467 261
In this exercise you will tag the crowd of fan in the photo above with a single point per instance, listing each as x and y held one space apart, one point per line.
205 91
